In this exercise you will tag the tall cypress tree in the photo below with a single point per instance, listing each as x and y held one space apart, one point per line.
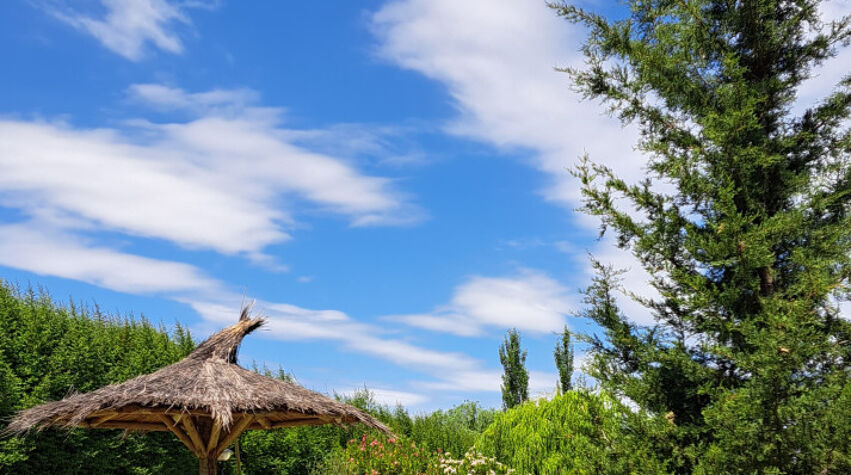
515 380
748 245
564 361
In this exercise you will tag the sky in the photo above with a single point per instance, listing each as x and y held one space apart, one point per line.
387 181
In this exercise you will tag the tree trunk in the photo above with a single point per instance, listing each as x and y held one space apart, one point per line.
207 465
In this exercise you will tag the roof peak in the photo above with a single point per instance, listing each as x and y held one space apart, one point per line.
224 345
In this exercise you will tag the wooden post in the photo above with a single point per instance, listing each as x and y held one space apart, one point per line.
207 465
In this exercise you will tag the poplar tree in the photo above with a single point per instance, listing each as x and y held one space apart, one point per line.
747 242
515 379
564 361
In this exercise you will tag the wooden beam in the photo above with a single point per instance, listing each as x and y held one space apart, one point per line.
214 436
312 421
189 426
263 422
136 409
179 433
233 434
128 425
100 420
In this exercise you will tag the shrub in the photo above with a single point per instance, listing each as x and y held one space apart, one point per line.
576 432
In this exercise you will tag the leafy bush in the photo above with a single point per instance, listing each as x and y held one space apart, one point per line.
576 432
296 450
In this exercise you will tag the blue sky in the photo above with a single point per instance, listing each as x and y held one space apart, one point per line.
388 180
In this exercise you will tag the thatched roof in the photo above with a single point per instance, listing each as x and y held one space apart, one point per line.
208 386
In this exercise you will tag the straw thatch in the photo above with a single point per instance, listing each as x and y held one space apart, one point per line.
206 399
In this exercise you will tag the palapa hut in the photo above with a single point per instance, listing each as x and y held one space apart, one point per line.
205 399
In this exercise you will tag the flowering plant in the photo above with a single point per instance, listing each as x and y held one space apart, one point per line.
473 463
379 455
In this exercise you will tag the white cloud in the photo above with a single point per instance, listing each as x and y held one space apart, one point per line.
56 254
451 371
496 57
389 397
489 381
226 180
152 191
128 26
292 323
50 251
530 301
171 98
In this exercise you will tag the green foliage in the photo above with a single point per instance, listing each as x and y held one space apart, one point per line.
453 430
577 432
46 351
748 243
297 450
564 361
515 379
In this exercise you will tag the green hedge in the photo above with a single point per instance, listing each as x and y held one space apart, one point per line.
48 350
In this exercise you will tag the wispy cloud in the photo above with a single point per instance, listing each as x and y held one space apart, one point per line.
497 60
389 397
54 253
540 382
450 371
530 301
496 57
171 98
128 26
51 252
226 180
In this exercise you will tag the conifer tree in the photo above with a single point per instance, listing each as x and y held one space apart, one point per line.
515 380
564 361
749 242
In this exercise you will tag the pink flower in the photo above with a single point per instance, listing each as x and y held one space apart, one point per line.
374 442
